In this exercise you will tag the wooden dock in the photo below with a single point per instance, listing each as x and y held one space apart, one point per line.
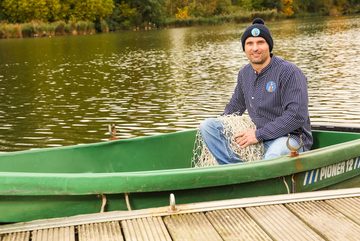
322 215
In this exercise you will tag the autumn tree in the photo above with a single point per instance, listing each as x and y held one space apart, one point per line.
28 10
92 10
287 7
197 8
20 11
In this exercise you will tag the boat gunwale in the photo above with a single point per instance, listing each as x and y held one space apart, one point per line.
139 138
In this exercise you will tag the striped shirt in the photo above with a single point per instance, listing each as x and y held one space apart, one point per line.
276 100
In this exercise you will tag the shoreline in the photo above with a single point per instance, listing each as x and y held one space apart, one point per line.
37 29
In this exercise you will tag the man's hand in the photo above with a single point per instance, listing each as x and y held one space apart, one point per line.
246 138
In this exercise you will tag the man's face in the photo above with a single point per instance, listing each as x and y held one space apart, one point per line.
257 50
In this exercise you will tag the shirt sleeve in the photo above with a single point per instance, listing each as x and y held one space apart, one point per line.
294 103
237 101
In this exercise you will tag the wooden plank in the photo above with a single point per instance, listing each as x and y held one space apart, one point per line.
328 221
150 228
54 234
281 224
236 224
350 207
194 226
20 236
181 209
109 231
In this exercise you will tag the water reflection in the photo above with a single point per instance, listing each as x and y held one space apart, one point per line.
66 90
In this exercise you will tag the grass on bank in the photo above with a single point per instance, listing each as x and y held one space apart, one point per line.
241 17
41 29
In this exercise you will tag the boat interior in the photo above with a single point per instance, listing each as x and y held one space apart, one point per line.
166 151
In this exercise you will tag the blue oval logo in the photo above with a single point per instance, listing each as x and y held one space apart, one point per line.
255 32
270 86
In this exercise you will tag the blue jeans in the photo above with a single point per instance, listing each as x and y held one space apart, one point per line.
211 130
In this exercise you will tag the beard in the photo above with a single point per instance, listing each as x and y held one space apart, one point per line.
261 59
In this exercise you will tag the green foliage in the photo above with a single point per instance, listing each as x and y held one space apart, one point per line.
327 7
22 11
42 29
60 28
222 7
84 27
150 11
101 26
27 10
90 10
123 17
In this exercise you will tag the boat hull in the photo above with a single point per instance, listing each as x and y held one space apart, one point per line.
27 196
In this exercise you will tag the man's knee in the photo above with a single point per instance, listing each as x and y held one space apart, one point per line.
278 147
209 124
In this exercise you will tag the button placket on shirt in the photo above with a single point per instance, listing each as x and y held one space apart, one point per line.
253 90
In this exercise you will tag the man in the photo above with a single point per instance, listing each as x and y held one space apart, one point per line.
274 92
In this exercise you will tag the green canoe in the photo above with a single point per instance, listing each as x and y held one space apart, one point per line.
142 172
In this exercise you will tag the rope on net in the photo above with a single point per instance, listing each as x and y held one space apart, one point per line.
232 124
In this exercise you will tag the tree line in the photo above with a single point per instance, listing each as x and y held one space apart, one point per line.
129 14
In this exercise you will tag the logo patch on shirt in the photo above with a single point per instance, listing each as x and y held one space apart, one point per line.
270 86
255 32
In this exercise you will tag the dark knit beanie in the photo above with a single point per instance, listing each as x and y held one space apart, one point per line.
257 29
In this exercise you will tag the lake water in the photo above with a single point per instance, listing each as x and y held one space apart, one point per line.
66 90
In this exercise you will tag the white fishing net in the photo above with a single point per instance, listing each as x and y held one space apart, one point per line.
232 124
